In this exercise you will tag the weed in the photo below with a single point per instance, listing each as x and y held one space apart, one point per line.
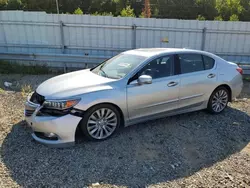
247 78
26 89
1 90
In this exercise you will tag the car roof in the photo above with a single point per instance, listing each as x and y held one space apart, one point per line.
150 52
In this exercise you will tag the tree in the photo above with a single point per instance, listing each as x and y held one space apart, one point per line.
102 14
155 12
44 5
206 8
11 4
120 5
14 5
78 11
142 15
178 9
218 18
101 6
245 15
127 12
200 17
234 17
147 9
227 8
3 4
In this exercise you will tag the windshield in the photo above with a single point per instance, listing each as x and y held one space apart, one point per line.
118 66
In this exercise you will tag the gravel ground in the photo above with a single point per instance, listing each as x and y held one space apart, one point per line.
190 150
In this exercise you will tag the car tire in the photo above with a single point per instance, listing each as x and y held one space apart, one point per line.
100 122
218 100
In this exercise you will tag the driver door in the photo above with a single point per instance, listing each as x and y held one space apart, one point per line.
161 95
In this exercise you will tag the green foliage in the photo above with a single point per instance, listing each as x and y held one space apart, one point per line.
206 8
227 8
178 9
232 10
15 68
201 18
11 4
102 14
218 18
234 17
142 15
127 12
78 11
3 3
155 12
246 78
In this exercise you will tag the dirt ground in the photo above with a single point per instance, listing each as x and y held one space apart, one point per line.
190 150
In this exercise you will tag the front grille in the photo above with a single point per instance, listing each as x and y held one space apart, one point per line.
29 113
37 99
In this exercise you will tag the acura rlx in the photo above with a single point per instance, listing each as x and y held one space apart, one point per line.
132 87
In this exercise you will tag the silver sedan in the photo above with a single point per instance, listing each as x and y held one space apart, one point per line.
132 87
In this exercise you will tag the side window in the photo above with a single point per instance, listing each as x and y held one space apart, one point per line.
208 62
159 68
191 63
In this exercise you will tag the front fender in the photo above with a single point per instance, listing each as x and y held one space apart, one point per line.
113 96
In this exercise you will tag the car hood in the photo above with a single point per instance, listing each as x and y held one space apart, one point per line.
73 84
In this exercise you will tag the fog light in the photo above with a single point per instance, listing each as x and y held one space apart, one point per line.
50 135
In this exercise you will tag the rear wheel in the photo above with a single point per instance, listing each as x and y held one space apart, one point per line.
218 100
100 122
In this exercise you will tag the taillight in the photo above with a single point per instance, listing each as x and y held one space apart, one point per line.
240 70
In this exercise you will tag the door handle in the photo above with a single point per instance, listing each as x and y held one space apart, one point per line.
211 75
172 84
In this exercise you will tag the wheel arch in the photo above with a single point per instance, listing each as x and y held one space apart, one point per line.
228 88
103 103
116 106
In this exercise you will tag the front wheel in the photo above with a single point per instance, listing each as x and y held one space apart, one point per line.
100 122
218 100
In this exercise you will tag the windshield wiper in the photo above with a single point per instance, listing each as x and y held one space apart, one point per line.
105 75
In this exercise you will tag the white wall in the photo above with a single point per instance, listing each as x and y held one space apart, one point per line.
38 32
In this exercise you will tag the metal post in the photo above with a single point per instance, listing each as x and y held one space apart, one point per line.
57 7
62 37
134 37
203 40
4 36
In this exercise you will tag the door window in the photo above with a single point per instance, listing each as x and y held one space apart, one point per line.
159 68
191 63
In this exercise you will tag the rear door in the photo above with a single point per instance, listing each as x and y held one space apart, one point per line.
197 79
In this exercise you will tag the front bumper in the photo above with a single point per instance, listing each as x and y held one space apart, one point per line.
64 127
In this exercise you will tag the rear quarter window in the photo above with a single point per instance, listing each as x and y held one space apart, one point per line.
208 62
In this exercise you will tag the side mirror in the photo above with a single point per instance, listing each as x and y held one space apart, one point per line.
144 79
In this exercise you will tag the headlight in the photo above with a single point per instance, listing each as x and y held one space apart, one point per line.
60 104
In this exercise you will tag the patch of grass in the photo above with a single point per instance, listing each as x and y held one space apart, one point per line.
246 78
15 68
26 89
1 90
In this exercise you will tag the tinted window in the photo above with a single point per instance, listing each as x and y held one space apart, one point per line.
208 62
159 68
191 63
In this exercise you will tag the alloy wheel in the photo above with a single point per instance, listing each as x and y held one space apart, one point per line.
102 123
219 100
